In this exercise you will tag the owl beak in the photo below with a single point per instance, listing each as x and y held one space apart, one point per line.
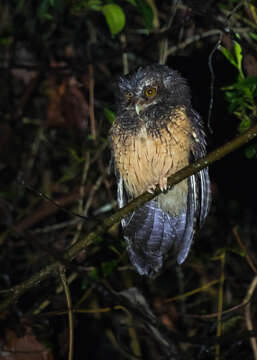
139 107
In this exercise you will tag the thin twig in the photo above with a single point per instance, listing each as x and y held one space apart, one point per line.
124 55
191 40
244 248
163 51
192 292
92 193
69 306
214 315
173 13
59 289
74 275
210 65
91 101
47 209
235 9
83 181
164 43
34 152
82 194
248 318
220 304
55 227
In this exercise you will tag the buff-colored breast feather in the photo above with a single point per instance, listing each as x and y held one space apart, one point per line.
145 159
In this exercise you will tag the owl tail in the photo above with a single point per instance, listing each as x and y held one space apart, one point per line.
149 233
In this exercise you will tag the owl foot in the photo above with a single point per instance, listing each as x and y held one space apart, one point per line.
151 189
163 184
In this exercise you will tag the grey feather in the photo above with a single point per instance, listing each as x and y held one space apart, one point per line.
149 233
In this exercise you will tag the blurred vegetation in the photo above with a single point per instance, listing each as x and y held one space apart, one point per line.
59 61
242 95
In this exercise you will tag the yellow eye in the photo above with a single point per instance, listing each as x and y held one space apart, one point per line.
128 95
150 91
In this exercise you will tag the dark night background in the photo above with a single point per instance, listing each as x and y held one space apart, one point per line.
59 61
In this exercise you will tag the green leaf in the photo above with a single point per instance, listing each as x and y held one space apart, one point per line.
228 55
109 114
239 58
147 13
253 35
246 83
115 18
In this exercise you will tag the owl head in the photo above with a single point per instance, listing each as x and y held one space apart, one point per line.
150 91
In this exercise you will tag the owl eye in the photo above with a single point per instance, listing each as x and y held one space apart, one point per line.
150 92
128 96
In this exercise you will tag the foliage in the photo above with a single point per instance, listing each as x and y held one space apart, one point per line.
242 95
115 17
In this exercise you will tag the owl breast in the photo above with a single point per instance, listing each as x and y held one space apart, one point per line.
145 158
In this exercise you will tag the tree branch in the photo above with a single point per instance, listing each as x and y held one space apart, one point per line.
17 291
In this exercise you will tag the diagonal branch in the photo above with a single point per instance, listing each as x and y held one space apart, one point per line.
17 291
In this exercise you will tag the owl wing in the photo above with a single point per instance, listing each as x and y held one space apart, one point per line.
202 177
199 190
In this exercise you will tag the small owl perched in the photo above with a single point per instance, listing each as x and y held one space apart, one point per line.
156 133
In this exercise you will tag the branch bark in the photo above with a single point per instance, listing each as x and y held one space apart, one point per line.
16 292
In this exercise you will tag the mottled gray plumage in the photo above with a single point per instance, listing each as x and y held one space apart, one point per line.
155 134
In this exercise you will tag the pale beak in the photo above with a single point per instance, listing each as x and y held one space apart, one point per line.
139 107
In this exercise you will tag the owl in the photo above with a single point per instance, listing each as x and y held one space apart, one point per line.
156 133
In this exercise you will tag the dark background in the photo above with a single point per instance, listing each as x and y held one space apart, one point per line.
58 66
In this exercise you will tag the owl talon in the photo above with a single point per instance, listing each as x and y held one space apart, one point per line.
151 189
163 184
